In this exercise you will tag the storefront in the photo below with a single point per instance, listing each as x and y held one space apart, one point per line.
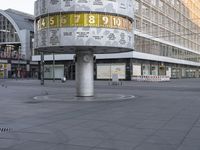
3 71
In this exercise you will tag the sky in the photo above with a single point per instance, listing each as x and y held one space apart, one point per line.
20 5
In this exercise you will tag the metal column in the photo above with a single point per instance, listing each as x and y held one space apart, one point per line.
53 67
84 73
42 68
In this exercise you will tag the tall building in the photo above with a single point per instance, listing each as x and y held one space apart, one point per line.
167 42
167 31
16 44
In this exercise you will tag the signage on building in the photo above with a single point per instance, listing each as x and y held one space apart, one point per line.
11 55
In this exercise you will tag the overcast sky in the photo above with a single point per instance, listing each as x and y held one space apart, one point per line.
21 5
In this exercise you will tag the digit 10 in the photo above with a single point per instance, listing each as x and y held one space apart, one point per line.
116 21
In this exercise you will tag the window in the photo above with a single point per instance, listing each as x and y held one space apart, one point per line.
137 7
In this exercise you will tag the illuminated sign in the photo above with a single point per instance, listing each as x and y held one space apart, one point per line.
84 20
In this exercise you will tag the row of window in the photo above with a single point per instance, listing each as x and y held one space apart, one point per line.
183 38
7 31
152 47
170 20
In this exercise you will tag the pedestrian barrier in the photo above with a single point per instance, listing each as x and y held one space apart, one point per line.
151 78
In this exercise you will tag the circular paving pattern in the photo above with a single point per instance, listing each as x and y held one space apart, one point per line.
72 98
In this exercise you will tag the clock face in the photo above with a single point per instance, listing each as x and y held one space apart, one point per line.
86 58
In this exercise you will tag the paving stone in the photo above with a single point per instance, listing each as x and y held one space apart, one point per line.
172 137
148 146
90 142
69 147
30 145
163 116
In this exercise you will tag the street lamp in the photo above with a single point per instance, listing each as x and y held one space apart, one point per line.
18 66
42 68
53 67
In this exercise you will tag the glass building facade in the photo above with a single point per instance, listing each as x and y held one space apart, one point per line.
173 21
8 32
170 29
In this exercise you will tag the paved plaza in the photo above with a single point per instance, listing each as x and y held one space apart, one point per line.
161 116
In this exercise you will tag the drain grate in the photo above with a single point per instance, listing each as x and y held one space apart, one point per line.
5 130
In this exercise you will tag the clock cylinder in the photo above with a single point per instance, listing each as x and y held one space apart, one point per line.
103 26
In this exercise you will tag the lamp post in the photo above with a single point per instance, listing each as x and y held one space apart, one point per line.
18 66
42 68
53 67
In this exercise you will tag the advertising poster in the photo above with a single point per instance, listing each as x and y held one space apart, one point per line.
137 69
105 71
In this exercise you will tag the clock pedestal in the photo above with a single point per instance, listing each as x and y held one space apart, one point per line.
84 73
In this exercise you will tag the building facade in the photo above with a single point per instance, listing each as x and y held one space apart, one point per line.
169 29
16 44
167 42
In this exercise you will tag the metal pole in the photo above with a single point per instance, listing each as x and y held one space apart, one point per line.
42 68
110 74
18 66
53 67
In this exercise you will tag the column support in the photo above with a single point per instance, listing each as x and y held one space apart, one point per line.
84 74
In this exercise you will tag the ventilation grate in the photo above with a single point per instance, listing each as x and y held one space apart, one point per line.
5 130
